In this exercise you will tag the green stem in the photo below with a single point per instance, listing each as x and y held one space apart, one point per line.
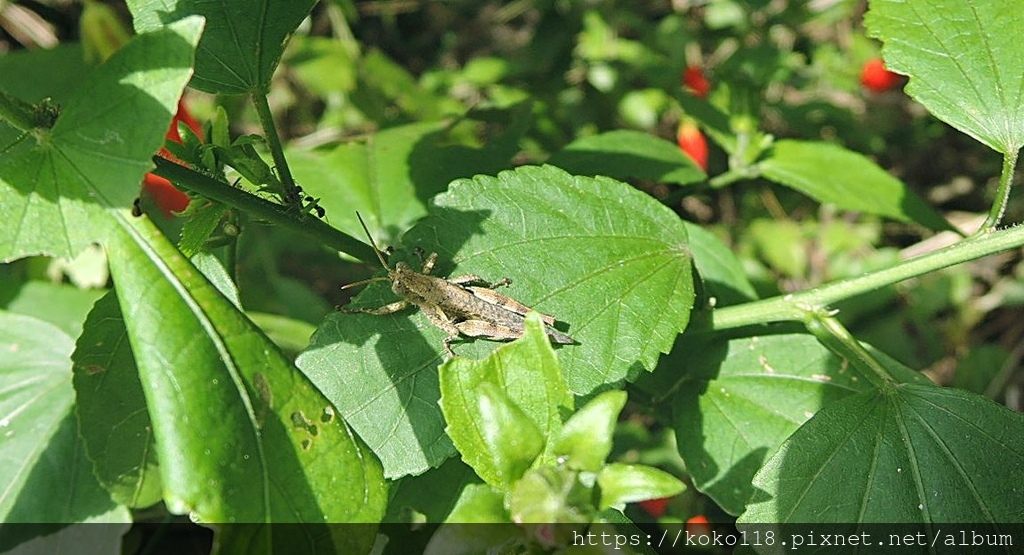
1002 193
274 143
284 216
834 336
795 306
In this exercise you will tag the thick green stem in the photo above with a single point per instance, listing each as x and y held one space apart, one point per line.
251 204
274 143
1002 193
796 305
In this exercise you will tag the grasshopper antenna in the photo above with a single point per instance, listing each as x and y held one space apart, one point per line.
375 251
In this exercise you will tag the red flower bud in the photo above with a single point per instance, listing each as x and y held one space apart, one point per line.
876 78
655 507
696 82
692 142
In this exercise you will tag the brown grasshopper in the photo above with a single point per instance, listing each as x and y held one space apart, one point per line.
456 305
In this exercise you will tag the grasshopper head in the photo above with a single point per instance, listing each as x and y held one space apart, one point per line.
392 274
398 280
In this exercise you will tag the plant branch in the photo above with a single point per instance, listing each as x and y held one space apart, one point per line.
276 150
284 216
796 305
1002 193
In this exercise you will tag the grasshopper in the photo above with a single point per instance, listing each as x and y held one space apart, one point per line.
465 305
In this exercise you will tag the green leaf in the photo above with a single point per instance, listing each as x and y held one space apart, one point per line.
605 259
44 72
493 435
627 483
199 225
964 66
479 503
526 370
241 435
781 244
46 476
291 335
56 192
738 400
384 384
242 43
61 305
324 65
907 453
628 155
723 274
832 174
521 378
586 437
112 416
389 176
386 91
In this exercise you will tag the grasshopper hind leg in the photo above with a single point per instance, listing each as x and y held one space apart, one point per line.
391 308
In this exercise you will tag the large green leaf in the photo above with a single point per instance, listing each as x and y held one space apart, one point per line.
390 175
628 155
832 174
385 385
45 72
738 400
46 476
113 420
241 435
61 305
904 453
608 261
963 60
242 43
56 191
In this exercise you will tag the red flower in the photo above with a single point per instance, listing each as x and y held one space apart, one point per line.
655 507
876 78
692 142
165 195
696 82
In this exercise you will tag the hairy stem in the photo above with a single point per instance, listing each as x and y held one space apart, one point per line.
1002 193
276 150
794 307
257 207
